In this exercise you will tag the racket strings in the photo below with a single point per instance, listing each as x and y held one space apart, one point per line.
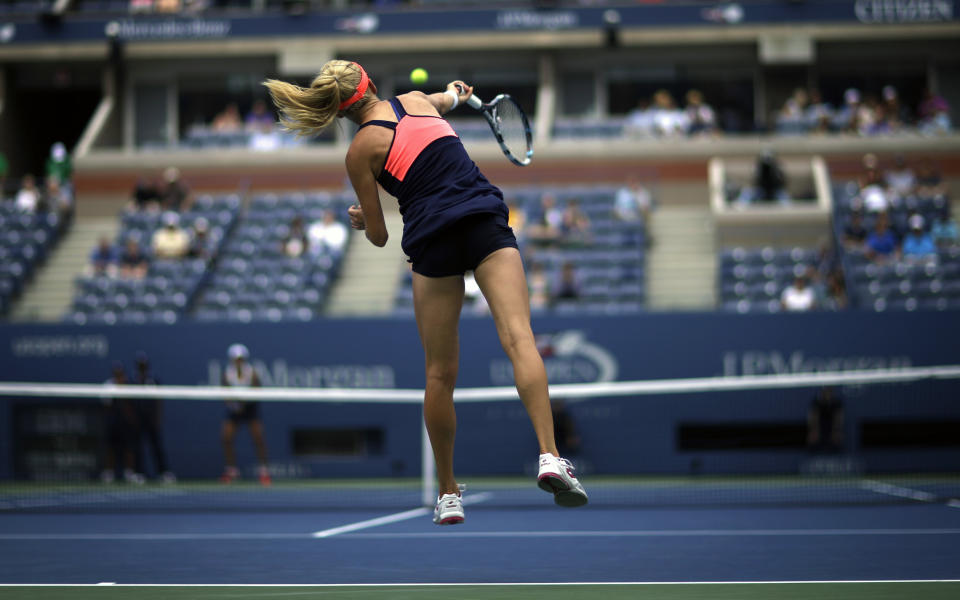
513 129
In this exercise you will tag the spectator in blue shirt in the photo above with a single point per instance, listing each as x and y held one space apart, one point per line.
103 259
882 243
944 229
918 245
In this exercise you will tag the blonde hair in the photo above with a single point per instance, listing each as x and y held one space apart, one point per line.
308 111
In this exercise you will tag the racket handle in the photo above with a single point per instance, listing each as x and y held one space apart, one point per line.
472 101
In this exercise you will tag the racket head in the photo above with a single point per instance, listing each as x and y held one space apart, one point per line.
511 128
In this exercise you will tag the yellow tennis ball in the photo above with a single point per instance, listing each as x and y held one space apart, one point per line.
418 76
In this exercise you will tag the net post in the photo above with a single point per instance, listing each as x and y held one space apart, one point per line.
428 469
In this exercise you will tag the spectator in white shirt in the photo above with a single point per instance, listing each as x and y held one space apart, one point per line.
28 198
798 297
327 234
170 241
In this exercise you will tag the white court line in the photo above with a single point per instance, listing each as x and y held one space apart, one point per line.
395 518
337 531
477 584
898 491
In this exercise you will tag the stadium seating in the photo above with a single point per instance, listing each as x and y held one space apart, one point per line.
752 280
247 277
898 285
170 286
25 241
255 280
610 264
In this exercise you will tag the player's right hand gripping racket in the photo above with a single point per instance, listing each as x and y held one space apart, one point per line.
510 126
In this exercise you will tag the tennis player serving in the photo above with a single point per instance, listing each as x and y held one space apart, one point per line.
454 220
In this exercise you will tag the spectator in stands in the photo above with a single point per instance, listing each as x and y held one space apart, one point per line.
836 292
881 244
174 194
133 262
668 120
871 174
799 296
103 259
59 200
575 224
895 115
944 228
929 180
825 422
241 374
516 219
934 113
228 120
818 114
200 240
295 243
700 117
539 286
900 178
28 197
327 235
58 165
856 116
549 225
875 199
260 119
170 241
769 181
632 202
792 116
167 6
150 419
918 245
4 171
122 436
854 233
639 122
567 286
145 197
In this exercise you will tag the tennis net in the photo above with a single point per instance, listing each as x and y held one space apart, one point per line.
871 437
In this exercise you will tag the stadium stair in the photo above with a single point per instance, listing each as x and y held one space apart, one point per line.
681 264
49 296
370 275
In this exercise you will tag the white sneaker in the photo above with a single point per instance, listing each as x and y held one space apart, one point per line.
556 477
449 509
131 476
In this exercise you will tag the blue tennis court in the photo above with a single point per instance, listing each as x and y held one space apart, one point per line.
549 545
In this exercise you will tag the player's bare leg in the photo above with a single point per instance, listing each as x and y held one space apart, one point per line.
504 285
437 302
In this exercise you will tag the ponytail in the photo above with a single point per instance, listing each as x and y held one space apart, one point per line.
308 111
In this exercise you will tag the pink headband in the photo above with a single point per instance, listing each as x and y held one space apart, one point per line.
361 89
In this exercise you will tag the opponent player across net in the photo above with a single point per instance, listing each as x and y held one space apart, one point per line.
455 221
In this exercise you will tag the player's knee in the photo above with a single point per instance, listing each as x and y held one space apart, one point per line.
443 373
516 339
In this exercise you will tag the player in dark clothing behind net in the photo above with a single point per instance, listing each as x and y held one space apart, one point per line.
150 420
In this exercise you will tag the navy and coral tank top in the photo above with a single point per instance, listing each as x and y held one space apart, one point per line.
434 180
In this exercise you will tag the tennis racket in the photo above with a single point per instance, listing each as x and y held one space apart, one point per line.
510 126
